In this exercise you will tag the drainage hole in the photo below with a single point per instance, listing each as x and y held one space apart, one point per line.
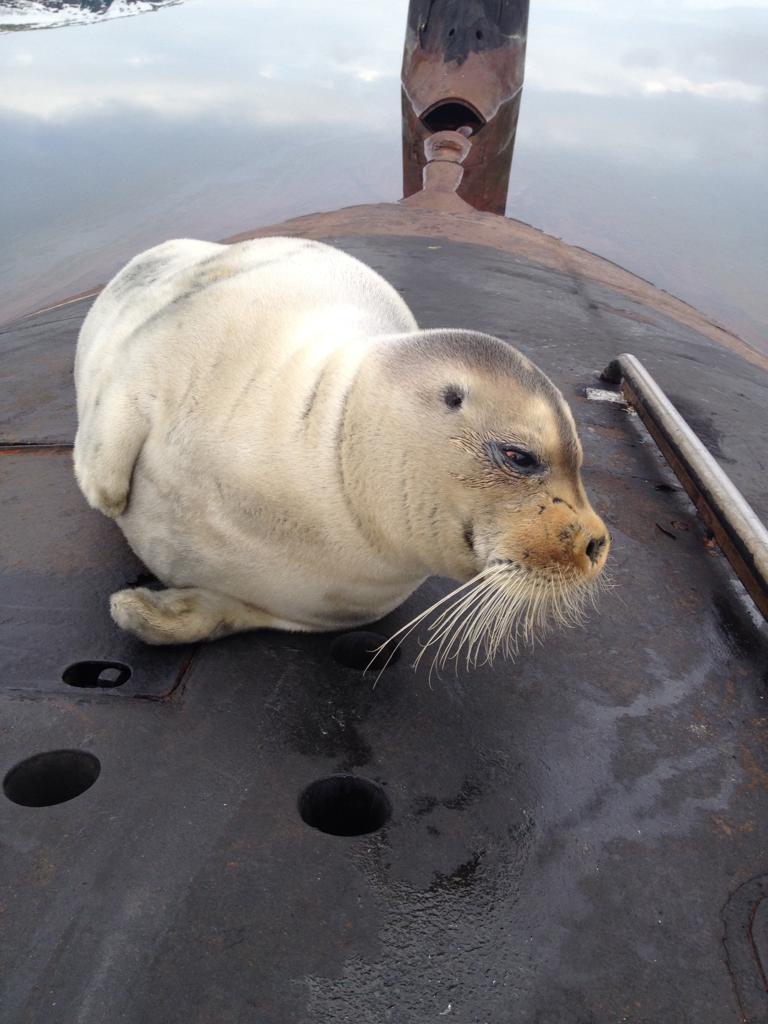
345 805
355 650
96 674
51 778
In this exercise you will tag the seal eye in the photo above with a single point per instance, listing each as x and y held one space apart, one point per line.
519 460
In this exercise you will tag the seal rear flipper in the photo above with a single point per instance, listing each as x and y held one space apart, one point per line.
182 615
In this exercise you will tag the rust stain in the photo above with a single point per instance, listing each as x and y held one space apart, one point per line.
721 825
758 777
730 829
612 433
77 712
43 872
729 696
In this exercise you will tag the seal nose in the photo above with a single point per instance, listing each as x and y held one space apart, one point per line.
596 549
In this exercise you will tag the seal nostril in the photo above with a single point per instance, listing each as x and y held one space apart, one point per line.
593 549
345 805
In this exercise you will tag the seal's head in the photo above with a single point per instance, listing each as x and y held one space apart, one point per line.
489 487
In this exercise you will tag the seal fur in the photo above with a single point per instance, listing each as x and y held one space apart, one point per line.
283 447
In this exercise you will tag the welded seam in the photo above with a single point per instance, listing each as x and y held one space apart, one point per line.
179 683
35 447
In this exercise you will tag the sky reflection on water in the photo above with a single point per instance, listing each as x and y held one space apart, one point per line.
643 136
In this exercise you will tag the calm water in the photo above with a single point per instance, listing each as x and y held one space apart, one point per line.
643 136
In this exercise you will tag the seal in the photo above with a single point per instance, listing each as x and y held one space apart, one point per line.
283 447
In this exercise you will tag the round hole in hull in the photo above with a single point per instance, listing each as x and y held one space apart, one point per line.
91 675
345 805
358 650
52 777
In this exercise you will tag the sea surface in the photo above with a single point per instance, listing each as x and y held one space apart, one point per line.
643 134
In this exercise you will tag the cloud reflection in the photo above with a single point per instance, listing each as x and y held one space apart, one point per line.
705 49
723 90
243 59
642 127
246 56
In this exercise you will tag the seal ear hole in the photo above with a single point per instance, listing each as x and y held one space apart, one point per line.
358 650
345 805
453 396
50 778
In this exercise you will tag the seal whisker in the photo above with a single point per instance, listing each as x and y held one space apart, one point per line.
466 627
404 632
449 644
451 616
467 601
441 628
487 625
491 627
504 608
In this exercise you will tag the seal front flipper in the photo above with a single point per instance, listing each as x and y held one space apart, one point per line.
182 615
108 442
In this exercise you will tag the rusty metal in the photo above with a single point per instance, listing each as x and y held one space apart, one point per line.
463 66
445 152
734 523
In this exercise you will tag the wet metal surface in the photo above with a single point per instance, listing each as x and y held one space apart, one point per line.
569 834
36 376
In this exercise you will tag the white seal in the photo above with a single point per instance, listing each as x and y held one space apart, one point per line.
283 447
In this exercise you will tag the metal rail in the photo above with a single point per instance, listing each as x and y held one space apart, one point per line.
737 529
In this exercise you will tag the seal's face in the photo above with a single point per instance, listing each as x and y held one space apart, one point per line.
520 528
520 459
